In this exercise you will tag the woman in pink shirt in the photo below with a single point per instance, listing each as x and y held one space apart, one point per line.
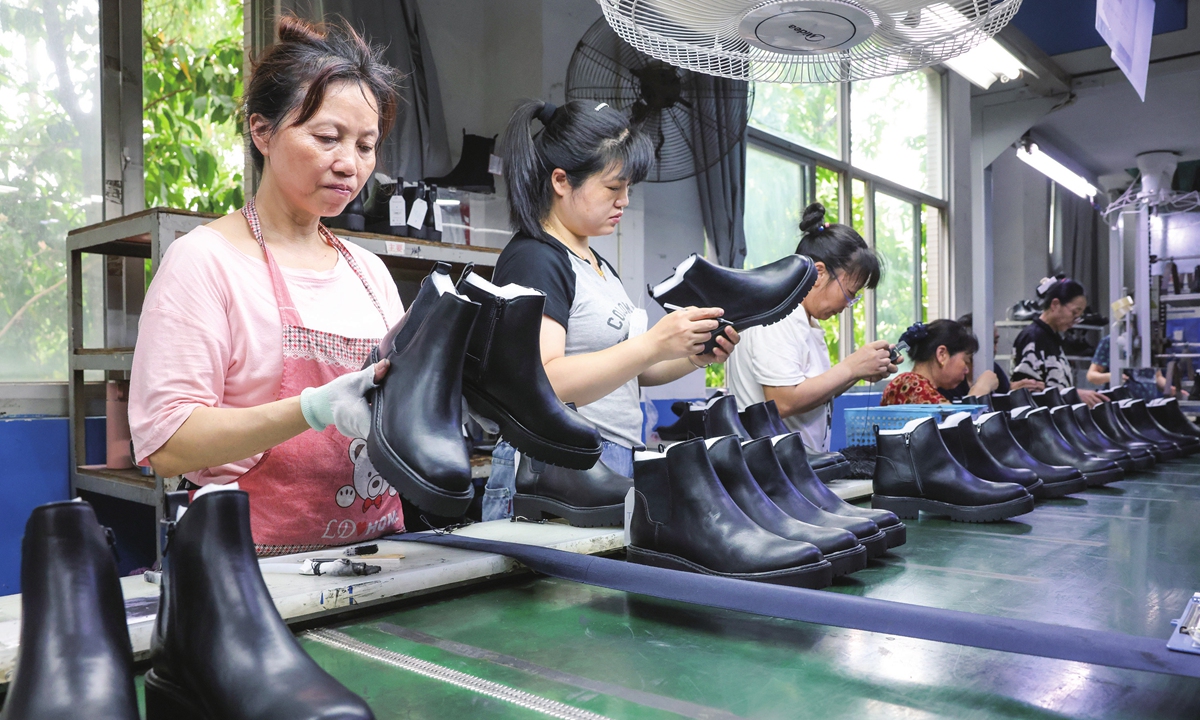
256 326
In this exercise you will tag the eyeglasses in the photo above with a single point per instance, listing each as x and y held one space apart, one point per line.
851 300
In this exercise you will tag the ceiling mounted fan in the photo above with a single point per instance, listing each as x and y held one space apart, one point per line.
806 41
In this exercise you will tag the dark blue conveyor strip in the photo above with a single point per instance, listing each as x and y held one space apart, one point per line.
830 608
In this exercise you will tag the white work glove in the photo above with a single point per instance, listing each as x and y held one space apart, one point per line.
343 402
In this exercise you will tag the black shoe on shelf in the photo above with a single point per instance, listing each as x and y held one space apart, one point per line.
584 498
1024 311
220 650
504 380
761 296
915 472
1057 480
684 519
416 441
471 174
962 440
74 658
1036 432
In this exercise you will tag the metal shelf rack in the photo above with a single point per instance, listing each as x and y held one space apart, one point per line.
126 244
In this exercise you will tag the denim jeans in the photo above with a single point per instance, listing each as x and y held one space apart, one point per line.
501 485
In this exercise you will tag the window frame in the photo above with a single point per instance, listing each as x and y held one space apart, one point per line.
767 141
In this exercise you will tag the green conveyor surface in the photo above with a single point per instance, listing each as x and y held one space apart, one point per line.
1123 558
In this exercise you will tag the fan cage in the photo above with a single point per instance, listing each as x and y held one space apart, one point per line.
710 43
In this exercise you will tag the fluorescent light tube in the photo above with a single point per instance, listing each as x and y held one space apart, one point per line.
986 63
1033 156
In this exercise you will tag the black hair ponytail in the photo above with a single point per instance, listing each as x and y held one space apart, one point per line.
839 247
924 340
1060 288
582 138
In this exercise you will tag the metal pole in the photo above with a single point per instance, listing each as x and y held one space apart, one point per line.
982 243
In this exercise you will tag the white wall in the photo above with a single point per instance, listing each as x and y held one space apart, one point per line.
1020 227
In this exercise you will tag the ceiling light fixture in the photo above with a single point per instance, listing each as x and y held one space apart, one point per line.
986 63
1029 152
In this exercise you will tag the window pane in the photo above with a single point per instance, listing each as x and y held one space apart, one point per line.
50 177
896 129
894 298
805 114
774 201
858 205
828 192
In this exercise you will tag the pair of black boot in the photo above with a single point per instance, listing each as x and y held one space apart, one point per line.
220 650
472 341
719 416
915 471
752 511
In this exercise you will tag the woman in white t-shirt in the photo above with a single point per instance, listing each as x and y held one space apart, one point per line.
788 362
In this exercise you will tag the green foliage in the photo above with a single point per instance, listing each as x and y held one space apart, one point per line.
49 146
714 375
805 114
193 146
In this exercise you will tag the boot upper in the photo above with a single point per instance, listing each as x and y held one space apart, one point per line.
742 294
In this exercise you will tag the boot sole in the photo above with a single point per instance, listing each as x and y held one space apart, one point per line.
813 576
412 486
785 308
167 701
910 508
535 507
1062 488
896 535
1104 478
875 545
835 471
849 561
527 442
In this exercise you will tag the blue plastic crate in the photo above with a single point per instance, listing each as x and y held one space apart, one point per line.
861 422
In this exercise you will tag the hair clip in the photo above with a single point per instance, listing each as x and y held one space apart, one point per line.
821 227
601 106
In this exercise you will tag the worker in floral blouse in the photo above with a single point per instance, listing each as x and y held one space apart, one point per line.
941 352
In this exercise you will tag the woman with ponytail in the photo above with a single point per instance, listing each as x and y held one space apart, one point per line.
788 362
568 171
941 353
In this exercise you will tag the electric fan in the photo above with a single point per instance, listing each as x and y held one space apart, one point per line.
806 41
692 119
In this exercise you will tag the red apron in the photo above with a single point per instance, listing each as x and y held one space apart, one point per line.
318 488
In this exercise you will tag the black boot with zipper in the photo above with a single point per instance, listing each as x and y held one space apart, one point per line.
220 650
1064 421
74 660
584 498
914 472
1057 480
762 420
416 440
504 380
683 519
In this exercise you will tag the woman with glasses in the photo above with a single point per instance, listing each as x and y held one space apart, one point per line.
1038 351
788 362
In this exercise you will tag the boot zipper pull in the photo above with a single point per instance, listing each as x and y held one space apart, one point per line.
111 538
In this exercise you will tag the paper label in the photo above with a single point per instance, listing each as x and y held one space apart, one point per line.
628 513
437 217
391 247
495 165
397 212
416 218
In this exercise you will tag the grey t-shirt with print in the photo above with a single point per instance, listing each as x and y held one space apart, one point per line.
593 308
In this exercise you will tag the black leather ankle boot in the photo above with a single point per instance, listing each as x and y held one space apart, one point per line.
761 296
1166 412
766 471
1138 416
471 172
75 660
958 432
683 519
689 424
505 382
1064 421
914 471
1057 480
1070 396
1117 393
416 441
584 498
1035 431
1013 400
1145 454
1109 419
220 650
721 419
1048 398
839 546
791 454
762 420
984 400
